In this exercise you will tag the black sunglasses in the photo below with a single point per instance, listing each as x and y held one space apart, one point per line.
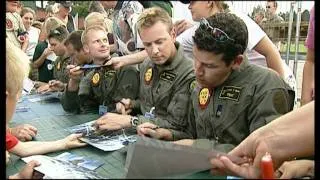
217 33
268 7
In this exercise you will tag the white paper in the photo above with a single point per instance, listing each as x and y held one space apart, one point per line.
28 85
57 169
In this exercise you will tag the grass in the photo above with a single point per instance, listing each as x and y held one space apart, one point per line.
301 49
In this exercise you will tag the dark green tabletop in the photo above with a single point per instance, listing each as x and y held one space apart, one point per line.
51 121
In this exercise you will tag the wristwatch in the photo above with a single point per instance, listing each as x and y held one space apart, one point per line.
134 121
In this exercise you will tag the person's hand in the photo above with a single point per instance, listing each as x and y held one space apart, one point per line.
185 142
116 62
43 88
75 73
47 52
72 141
27 172
295 169
250 148
24 132
182 25
55 85
112 121
152 130
124 106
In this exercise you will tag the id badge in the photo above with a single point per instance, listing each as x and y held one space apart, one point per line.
50 66
102 110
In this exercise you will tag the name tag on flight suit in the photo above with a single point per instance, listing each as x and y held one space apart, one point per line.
230 92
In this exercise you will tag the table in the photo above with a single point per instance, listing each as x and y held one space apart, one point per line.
51 121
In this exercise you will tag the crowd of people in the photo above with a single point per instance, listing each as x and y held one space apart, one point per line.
189 81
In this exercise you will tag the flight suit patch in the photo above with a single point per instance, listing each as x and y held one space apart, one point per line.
148 76
192 85
110 73
280 102
9 24
58 66
230 92
204 97
167 76
95 79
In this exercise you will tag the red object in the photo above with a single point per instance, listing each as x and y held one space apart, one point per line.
11 141
267 171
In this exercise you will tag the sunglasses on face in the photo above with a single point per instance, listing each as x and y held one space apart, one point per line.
217 33
268 7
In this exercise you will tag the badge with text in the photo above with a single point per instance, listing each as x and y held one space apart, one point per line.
204 98
230 92
58 66
95 79
9 24
167 76
148 76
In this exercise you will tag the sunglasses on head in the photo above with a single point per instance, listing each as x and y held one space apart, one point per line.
217 33
55 32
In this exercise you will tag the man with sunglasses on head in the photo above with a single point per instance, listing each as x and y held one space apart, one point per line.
232 97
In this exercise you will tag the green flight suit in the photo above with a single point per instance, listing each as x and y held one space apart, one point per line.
60 71
248 99
168 90
102 87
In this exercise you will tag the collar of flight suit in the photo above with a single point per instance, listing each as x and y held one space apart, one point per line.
178 58
235 73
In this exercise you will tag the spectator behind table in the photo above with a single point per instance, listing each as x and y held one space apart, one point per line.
232 98
49 13
64 9
258 40
259 17
44 57
28 16
15 30
272 18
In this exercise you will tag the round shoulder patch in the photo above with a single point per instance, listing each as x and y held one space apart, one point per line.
9 24
95 79
148 76
204 97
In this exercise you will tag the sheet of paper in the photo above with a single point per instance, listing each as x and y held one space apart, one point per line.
109 141
151 158
81 161
28 85
57 169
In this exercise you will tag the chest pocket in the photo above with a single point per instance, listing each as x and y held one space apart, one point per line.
203 119
107 87
162 93
232 122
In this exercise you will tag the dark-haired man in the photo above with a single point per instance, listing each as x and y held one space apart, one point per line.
232 98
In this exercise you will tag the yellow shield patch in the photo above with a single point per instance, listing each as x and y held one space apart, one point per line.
148 76
204 97
95 79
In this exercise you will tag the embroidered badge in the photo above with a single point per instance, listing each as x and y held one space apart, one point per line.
167 76
58 66
148 76
9 24
204 98
192 85
230 92
95 79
